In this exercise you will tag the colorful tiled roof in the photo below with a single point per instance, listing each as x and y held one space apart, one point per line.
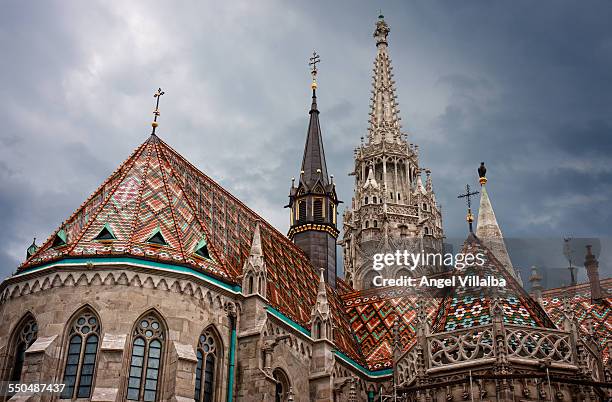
372 315
469 306
592 316
157 190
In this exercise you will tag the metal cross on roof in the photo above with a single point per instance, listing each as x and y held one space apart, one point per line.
157 95
468 195
313 64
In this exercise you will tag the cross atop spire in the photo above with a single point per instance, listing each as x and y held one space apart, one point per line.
468 196
157 95
313 164
313 68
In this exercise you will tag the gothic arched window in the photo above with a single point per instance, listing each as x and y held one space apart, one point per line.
317 210
281 392
374 200
375 224
81 352
146 359
208 354
366 201
24 336
301 210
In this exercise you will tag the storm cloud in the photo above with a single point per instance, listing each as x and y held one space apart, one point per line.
524 86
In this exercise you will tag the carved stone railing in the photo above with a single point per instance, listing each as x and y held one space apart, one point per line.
407 368
399 209
478 346
538 343
461 345
593 364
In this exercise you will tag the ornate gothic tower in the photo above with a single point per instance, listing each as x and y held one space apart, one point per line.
391 208
314 202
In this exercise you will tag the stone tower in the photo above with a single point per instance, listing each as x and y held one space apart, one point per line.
314 202
391 208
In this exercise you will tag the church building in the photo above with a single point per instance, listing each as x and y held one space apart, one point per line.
163 286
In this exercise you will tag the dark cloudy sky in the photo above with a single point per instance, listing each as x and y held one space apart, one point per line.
525 86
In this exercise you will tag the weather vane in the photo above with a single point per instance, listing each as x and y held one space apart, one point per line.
468 194
313 68
157 95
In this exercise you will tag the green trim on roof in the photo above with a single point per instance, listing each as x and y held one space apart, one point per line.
378 373
156 232
287 320
293 324
203 245
137 262
59 239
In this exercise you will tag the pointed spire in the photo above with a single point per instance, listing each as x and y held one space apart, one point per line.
384 112
419 186
321 316
254 272
370 181
487 228
313 163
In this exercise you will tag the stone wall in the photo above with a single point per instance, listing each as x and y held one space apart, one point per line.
119 297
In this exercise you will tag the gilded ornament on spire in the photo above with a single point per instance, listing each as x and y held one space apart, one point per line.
468 195
313 69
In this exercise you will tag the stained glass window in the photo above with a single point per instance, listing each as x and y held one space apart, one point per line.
205 370
27 334
81 353
146 360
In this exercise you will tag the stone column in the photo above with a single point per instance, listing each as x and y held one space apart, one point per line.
110 363
186 362
321 365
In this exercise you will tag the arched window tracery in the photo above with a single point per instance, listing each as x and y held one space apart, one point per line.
208 354
81 353
146 359
24 336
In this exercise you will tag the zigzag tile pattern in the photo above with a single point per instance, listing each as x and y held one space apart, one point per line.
156 188
594 317
372 315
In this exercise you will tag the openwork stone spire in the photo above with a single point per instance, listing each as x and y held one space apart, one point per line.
391 209
384 112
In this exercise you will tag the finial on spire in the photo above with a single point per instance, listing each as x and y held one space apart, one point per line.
313 69
468 195
156 95
482 172
381 31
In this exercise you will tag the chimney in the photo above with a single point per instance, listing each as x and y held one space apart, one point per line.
536 284
592 267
